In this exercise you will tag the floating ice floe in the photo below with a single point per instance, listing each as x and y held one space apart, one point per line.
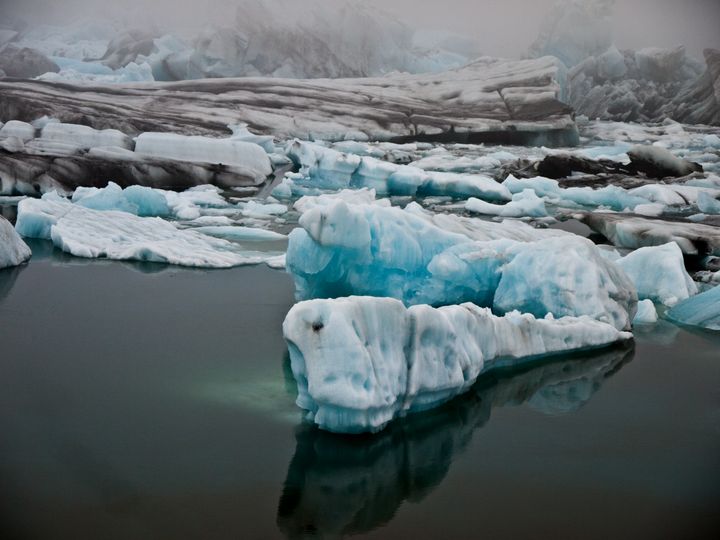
359 362
523 204
374 250
702 310
249 158
119 235
659 274
325 168
13 251
635 232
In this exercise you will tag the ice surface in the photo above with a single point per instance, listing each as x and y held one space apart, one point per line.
247 157
702 310
345 249
138 200
350 196
359 362
646 313
119 235
234 232
659 274
13 251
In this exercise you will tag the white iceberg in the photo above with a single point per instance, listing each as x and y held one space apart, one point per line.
523 204
248 158
659 274
359 362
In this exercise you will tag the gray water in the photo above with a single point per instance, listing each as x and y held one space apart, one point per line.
148 401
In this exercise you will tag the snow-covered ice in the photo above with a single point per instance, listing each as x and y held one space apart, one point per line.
359 362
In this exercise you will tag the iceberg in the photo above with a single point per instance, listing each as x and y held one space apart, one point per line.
13 251
325 168
360 362
636 232
702 310
342 250
85 232
248 158
708 204
85 137
523 204
659 274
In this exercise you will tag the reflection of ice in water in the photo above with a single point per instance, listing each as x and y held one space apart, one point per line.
339 485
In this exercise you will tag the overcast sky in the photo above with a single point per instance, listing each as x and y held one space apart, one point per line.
502 27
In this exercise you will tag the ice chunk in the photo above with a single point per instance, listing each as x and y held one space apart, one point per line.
659 274
249 158
13 251
701 310
708 204
359 362
635 232
326 168
646 313
259 210
658 162
373 250
613 197
118 235
565 276
350 196
525 203
84 136
138 200
15 128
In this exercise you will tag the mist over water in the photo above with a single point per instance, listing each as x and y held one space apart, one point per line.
501 27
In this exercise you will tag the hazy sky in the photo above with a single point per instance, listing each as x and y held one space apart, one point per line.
502 27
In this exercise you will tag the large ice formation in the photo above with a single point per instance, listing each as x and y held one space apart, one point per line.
359 362
375 250
514 101
13 251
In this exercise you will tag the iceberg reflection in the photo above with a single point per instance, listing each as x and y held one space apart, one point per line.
338 485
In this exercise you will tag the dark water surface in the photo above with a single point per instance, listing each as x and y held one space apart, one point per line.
145 401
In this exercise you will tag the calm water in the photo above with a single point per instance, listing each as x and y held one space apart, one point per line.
144 401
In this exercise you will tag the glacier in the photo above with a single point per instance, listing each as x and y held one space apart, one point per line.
360 362
13 251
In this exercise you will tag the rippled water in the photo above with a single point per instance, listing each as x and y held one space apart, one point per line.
146 401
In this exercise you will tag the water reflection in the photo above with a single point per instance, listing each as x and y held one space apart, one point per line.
340 485
8 276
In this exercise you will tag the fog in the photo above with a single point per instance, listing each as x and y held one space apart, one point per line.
501 27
